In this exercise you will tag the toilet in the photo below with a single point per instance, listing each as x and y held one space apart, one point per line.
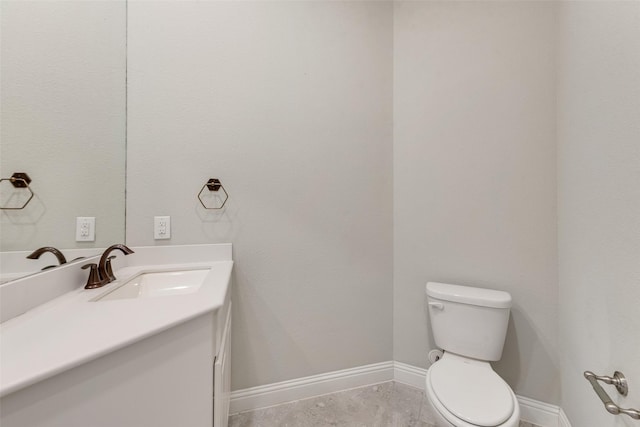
469 325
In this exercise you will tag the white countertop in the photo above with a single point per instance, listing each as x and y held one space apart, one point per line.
71 330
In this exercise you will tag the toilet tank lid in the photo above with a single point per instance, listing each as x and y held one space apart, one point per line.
469 295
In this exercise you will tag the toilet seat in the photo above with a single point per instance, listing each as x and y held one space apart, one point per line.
469 392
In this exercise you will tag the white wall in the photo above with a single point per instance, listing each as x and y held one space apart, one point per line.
599 204
63 66
290 105
474 173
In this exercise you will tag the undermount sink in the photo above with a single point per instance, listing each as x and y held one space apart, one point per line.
158 284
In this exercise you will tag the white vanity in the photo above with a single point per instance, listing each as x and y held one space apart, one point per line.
149 349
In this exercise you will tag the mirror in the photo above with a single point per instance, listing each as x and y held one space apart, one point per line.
63 115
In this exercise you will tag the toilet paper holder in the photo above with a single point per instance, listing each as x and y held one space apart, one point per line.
620 382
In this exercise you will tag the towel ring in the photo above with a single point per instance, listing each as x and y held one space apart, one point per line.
213 184
19 180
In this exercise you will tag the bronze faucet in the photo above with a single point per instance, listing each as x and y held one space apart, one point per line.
102 273
36 254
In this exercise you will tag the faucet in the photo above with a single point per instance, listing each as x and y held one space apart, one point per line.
36 254
104 267
102 273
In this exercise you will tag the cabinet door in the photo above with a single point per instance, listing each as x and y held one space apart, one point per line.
222 377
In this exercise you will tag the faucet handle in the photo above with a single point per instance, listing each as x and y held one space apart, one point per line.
94 277
108 270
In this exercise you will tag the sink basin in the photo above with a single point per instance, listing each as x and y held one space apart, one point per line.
158 284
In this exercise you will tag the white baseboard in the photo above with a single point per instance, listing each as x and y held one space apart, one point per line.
538 413
533 411
563 421
303 388
409 375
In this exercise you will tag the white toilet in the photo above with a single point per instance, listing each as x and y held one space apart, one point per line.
470 325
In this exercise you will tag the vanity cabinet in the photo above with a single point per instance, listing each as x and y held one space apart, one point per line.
176 377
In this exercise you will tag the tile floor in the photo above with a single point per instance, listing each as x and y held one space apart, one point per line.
388 404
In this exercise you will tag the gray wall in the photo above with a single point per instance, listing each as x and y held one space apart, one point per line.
290 105
599 204
474 173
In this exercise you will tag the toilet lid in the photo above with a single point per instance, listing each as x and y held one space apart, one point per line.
472 391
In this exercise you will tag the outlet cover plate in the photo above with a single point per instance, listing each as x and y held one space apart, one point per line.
86 229
161 227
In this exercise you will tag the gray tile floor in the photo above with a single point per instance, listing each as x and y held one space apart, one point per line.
388 404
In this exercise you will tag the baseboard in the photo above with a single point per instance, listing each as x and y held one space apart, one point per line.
563 421
409 375
303 388
539 413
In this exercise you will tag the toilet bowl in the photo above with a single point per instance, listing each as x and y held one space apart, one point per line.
470 325
468 393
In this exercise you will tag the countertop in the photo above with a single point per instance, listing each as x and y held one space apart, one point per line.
72 330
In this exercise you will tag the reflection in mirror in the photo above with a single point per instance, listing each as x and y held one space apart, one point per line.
63 121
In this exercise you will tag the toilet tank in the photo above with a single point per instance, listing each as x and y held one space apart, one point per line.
469 321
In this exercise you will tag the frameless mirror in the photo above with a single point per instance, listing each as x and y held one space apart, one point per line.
63 117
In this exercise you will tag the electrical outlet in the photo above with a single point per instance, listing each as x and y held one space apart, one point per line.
86 229
161 227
